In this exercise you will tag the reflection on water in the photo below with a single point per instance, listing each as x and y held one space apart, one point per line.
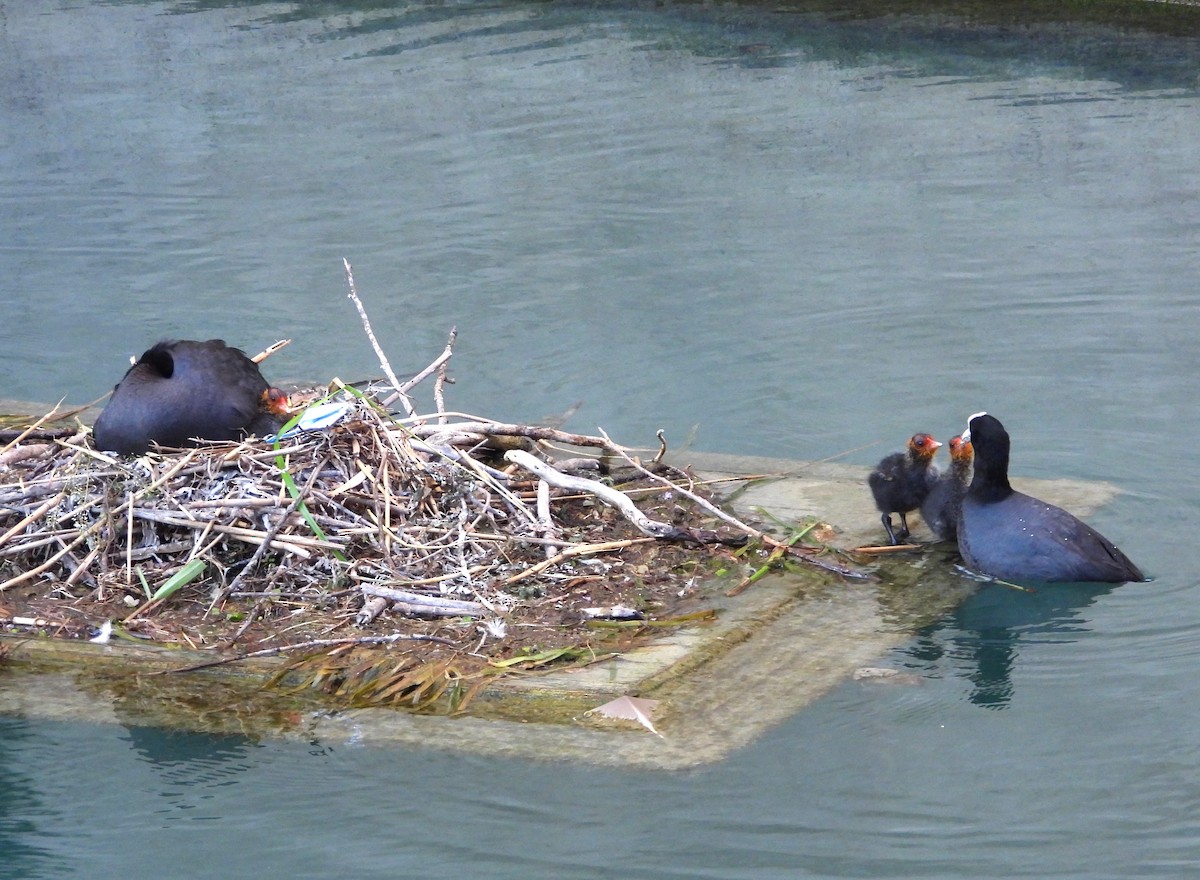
980 640
798 234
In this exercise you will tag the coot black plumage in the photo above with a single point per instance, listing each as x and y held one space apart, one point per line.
902 480
183 389
941 507
1015 537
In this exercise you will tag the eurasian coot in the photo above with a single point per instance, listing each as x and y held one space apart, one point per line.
941 507
902 480
1014 537
182 389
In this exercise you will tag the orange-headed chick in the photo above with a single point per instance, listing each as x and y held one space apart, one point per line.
943 504
902 481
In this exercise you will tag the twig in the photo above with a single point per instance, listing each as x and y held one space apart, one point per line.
419 603
37 424
662 446
299 545
437 364
502 429
576 550
611 496
366 322
259 552
549 529
24 453
31 518
804 554
675 487
439 386
270 350
89 531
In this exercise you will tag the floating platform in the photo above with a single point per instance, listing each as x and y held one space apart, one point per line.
776 647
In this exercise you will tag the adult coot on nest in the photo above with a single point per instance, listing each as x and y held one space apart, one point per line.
902 481
180 390
941 507
1014 537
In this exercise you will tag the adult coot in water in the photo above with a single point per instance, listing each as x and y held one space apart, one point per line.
941 507
902 480
1014 537
182 389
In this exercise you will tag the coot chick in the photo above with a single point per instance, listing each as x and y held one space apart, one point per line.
183 389
941 507
902 480
1015 537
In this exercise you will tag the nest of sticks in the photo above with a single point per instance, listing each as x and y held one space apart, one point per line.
400 555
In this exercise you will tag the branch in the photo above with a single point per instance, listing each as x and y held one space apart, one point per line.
437 365
802 553
503 429
383 361
423 605
608 494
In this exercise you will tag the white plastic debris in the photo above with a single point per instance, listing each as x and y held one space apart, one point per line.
316 418
102 637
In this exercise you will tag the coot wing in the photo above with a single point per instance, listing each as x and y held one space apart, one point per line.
1025 539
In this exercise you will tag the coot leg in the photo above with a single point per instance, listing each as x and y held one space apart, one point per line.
887 524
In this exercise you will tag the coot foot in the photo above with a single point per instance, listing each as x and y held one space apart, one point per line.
886 519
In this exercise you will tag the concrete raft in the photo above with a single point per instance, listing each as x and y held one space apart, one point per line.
784 642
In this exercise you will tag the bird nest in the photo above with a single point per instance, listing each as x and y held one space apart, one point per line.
401 555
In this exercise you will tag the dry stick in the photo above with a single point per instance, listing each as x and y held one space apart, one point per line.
167 547
436 579
576 550
486 474
450 453
33 427
297 545
24 453
711 508
774 543
37 514
49 563
371 609
437 364
534 432
82 568
662 446
316 643
129 542
435 605
549 529
259 552
90 530
385 478
385 526
620 501
44 539
270 350
439 385
366 322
